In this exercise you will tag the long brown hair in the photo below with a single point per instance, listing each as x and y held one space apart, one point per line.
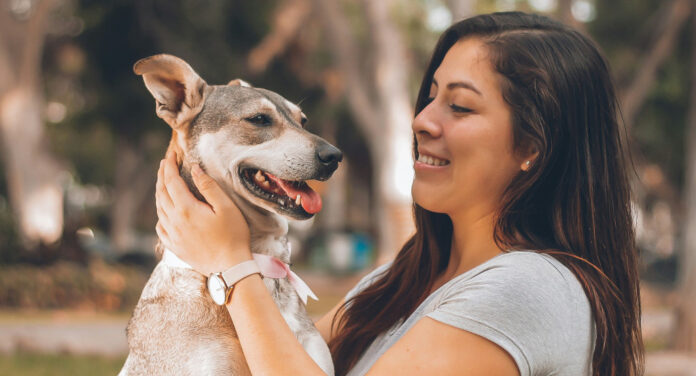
573 203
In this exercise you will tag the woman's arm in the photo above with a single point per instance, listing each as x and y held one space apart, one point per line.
324 323
269 346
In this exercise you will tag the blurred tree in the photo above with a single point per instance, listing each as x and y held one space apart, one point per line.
685 335
377 94
35 193
113 40
672 17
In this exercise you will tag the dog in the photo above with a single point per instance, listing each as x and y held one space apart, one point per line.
252 142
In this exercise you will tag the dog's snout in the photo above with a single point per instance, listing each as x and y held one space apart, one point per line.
328 154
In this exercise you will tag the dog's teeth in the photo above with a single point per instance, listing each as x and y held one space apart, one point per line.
266 184
298 200
259 176
281 201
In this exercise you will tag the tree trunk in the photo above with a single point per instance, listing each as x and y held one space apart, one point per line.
685 336
34 190
382 111
133 183
395 164
667 31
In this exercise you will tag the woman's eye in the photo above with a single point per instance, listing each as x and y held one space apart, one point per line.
260 120
461 110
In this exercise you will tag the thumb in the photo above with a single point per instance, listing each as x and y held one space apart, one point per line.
209 188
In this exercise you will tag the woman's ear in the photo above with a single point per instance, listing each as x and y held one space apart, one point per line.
529 160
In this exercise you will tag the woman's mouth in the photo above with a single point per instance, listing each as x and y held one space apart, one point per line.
432 161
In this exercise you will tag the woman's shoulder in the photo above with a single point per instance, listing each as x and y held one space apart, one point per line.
521 268
527 302
526 280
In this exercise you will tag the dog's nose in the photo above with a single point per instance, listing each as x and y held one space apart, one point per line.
329 154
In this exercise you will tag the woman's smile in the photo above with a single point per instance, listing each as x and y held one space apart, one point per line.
428 162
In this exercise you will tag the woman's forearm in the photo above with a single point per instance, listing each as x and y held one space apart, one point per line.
269 346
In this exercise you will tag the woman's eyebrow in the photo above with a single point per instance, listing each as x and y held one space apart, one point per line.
460 84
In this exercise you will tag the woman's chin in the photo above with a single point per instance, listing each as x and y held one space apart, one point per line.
428 199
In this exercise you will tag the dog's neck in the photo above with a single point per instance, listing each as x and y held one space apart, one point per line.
267 230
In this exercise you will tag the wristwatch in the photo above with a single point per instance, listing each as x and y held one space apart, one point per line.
220 285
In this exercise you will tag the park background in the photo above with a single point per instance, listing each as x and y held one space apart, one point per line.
80 144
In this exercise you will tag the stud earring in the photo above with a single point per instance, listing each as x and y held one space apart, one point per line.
526 165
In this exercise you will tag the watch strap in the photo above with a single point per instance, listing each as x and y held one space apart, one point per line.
238 272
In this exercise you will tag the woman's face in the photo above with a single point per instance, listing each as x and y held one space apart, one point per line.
464 135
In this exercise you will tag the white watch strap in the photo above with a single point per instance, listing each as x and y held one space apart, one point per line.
239 272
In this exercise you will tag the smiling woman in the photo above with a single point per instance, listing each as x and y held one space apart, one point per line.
518 148
466 132
523 261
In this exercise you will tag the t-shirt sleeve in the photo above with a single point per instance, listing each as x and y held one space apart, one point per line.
532 307
367 280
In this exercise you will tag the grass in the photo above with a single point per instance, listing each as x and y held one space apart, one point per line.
29 364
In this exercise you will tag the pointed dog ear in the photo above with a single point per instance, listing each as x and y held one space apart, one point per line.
238 82
179 92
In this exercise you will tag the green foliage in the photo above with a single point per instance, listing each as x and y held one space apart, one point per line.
10 248
625 30
9 242
29 364
67 285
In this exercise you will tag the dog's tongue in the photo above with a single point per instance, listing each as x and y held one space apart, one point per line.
311 201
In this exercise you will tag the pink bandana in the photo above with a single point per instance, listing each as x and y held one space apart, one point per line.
271 267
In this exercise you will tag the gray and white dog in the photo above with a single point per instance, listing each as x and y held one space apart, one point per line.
252 142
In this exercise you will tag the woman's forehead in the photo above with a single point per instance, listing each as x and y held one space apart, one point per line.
467 61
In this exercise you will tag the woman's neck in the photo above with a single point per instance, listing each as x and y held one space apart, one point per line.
472 243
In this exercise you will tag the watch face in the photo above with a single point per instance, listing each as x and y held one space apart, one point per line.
216 288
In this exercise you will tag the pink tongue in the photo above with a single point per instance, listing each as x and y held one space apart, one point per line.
311 201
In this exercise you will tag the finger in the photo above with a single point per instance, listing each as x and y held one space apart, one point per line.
209 188
161 211
161 194
180 194
163 235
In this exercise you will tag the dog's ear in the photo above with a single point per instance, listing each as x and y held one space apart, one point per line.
238 82
178 90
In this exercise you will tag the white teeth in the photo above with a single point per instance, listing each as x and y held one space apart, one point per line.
432 160
298 200
281 201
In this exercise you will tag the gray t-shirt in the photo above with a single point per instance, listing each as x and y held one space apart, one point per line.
528 303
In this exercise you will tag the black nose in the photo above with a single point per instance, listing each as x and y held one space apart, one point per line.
329 154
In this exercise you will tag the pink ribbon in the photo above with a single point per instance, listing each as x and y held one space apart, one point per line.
271 267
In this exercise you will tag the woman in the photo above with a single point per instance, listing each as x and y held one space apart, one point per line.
524 259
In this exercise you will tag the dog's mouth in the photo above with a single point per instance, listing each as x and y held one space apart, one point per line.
295 198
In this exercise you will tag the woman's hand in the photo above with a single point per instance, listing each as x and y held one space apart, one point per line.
210 237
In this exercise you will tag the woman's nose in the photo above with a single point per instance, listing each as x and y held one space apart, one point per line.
427 122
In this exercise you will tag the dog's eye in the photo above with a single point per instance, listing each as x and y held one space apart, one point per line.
303 121
260 120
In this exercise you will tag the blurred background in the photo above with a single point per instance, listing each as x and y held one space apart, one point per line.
81 143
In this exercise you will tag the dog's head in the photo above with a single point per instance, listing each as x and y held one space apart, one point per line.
250 140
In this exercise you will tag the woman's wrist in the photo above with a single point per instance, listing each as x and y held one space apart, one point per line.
234 255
